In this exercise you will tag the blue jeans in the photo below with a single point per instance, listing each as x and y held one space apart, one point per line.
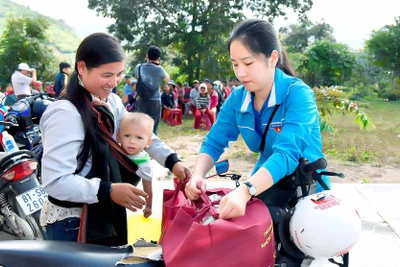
66 230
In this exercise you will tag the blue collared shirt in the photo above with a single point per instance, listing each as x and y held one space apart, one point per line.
294 132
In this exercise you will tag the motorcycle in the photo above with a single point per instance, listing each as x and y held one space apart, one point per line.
58 253
24 116
21 195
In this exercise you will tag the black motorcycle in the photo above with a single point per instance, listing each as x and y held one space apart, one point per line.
21 195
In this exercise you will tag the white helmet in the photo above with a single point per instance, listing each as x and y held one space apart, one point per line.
322 226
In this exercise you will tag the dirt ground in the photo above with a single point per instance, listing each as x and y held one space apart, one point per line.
242 162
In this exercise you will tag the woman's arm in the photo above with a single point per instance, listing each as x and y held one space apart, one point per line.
62 136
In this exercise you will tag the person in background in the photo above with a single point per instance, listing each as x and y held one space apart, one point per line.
187 90
9 89
82 164
62 78
21 81
37 87
217 86
134 134
49 88
203 105
174 91
128 85
227 90
193 95
213 96
152 73
129 100
261 64
9 97
181 97
167 98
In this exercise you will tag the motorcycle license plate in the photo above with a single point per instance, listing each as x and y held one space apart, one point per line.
32 200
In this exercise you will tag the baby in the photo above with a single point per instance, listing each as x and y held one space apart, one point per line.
134 134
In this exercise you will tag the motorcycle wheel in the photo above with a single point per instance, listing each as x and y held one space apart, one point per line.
34 222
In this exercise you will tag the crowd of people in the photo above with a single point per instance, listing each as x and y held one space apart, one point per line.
84 164
24 83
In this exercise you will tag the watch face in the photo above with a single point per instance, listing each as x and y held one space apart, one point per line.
252 188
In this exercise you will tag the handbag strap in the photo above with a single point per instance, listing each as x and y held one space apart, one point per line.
138 74
82 225
262 145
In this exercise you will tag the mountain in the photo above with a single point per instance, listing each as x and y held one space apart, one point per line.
60 35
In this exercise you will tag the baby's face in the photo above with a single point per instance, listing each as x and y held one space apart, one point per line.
134 137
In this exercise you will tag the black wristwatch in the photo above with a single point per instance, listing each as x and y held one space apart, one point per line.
252 189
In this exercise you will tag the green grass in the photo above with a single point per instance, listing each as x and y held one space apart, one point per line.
380 146
167 132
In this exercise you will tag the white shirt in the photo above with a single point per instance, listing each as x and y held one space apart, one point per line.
21 83
62 136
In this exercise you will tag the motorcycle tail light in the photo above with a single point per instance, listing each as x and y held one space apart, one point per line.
20 171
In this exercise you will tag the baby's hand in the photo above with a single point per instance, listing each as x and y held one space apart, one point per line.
147 212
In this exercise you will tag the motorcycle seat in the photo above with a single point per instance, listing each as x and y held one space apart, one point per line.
24 253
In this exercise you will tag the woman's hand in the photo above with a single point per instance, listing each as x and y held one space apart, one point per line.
128 196
194 187
181 171
234 204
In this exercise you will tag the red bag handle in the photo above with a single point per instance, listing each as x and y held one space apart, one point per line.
207 206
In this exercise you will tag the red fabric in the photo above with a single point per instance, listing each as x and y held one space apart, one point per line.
213 99
82 225
227 92
242 241
200 120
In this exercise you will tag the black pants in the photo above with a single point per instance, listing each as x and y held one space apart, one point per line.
151 108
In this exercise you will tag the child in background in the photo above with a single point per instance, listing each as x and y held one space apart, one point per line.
203 105
167 99
134 134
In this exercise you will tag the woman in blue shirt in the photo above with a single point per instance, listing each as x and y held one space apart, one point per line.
268 83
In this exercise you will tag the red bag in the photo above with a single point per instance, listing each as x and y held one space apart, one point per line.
244 241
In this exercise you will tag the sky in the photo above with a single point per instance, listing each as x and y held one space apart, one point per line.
352 20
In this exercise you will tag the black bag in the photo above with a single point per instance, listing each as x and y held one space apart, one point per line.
144 89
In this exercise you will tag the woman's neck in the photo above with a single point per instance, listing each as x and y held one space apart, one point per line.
261 96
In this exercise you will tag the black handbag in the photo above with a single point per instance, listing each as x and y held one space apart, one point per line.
144 89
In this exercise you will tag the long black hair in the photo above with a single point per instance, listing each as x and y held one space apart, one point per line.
95 50
259 37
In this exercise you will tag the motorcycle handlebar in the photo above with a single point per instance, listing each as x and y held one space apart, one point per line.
32 98
319 164
8 124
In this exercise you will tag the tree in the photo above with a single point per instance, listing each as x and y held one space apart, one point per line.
24 40
384 48
326 63
297 37
196 30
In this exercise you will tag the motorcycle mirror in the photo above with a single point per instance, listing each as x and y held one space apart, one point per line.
222 166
